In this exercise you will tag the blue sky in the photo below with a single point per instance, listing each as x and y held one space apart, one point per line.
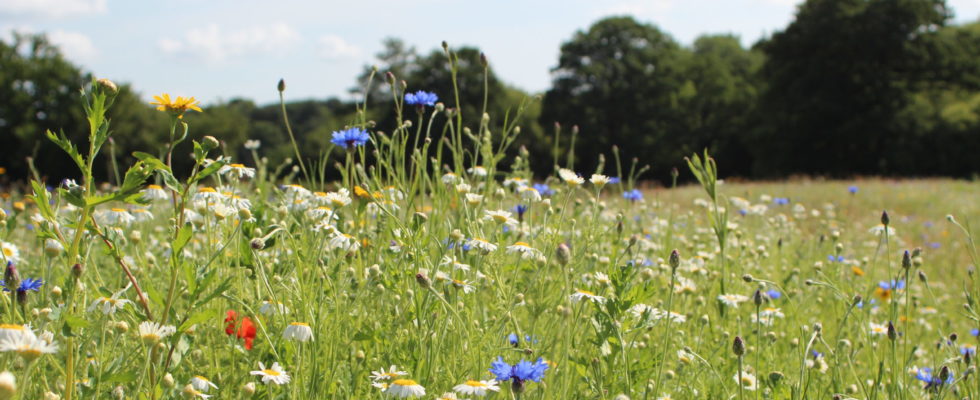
216 50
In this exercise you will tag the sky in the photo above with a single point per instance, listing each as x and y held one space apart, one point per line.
217 50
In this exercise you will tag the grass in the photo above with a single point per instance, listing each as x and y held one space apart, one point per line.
412 277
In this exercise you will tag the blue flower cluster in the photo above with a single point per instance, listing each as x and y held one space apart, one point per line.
421 98
25 285
543 189
633 195
350 138
518 373
932 382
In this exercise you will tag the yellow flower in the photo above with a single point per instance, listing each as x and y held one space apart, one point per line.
177 106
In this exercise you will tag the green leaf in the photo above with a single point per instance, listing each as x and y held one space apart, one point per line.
183 237
41 199
73 324
62 141
196 318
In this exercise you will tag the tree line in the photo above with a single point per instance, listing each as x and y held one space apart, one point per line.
849 87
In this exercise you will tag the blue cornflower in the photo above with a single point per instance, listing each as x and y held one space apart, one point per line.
614 180
935 245
780 201
520 209
543 189
852 189
350 138
421 98
932 382
834 258
773 294
633 195
518 373
25 285
860 304
512 339
968 349
975 332
816 354
892 285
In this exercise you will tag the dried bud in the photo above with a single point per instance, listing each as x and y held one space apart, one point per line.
563 254
856 300
944 374
906 260
281 86
757 298
884 218
76 271
748 278
10 276
423 280
892 332
738 346
674 260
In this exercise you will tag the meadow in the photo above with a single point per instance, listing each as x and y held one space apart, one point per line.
438 267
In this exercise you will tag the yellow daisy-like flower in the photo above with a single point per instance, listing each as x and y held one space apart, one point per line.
176 106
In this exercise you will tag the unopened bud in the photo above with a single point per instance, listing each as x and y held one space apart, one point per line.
674 260
563 254
892 332
738 346
282 85
884 218
108 86
257 244
423 280
209 143
906 260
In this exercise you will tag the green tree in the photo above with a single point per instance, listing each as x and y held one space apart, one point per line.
836 78
621 82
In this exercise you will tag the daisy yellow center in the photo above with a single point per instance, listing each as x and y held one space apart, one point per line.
404 382
118 210
476 384
500 218
8 252
878 329
29 351
207 190
154 187
299 324
586 292
458 282
522 244
747 381
151 336
13 327
201 378
237 165
271 372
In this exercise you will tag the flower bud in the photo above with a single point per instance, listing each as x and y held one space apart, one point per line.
109 87
282 85
674 260
249 388
168 381
563 254
8 385
257 244
738 346
423 280
892 332
906 260
884 219
209 143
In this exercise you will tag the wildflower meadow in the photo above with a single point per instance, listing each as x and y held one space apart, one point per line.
426 261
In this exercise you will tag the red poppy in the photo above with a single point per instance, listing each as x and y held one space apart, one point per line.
230 319
246 330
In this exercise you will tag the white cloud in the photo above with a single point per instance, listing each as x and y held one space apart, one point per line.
75 46
51 8
214 45
333 47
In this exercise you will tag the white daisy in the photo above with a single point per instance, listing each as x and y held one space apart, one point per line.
153 332
338 199
482 245
477 388
500 216
463 285
115 217
270 308
10 251
585 294
473 198
207 195
237 171
404 388
154 193
275 374
732 300
109 305
344 241
877 329
450 178
747 381
524 249
29 347
570 177
530 194
392 373
141 214
599 180
203 384
478 170
298 331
